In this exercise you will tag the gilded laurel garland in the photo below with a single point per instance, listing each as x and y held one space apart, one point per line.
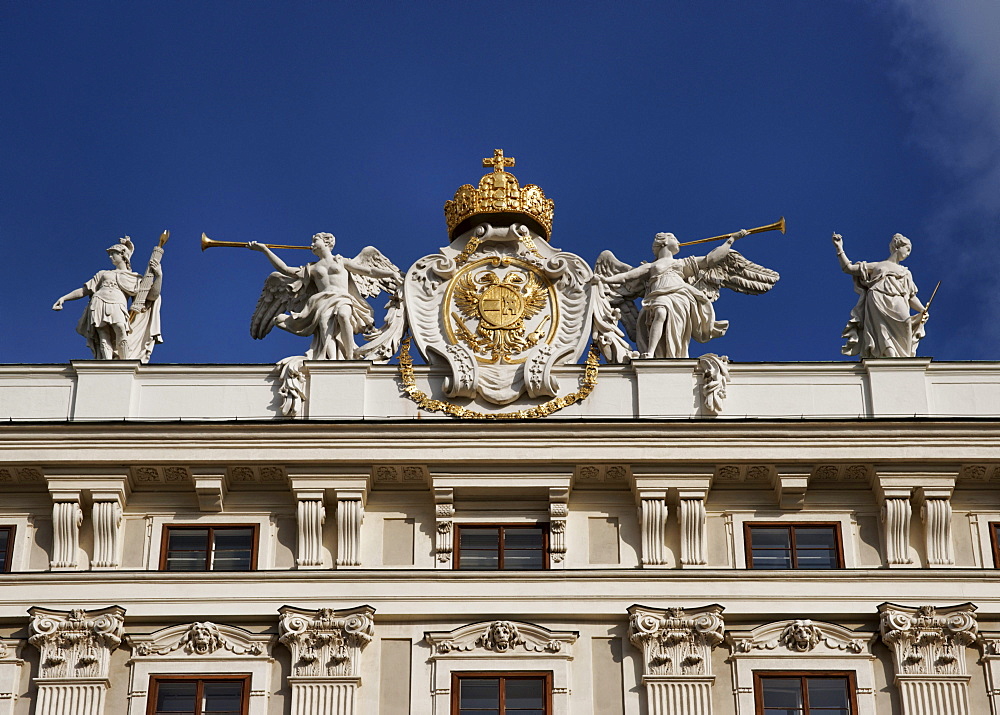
425 403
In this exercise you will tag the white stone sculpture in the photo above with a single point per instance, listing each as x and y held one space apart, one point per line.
324 299
113 330
677 294
714 379
881 325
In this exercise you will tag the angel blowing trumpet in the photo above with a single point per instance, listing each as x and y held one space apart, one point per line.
324 299
677 293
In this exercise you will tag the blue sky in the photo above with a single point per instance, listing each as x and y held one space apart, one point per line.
272 121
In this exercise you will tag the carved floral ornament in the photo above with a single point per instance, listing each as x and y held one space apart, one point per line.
502 637
76 643
202 638
326 642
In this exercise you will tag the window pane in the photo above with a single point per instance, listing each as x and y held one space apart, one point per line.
782 695
176 697
231 561
233 539
479 560
223 698
772 559
770 537
514 560
479 694
815 537
479 538
4 548
524 694
523 538
816 559
188 540
828 693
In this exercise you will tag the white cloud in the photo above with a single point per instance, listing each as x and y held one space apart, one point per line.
949 78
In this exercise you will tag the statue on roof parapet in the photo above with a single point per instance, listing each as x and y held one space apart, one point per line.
113 329
678 293
324 299
881 325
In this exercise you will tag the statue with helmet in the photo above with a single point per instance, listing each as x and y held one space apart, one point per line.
115 330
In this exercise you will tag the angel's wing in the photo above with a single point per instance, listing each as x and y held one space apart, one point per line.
369 286
622 296
735 273
277 296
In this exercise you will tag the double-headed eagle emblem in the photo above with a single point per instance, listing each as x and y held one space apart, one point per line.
501 306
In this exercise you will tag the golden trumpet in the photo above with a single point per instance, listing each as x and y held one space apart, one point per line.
207 242
778 225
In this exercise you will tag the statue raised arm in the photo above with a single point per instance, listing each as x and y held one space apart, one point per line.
324 299
677 293
881 325
110 332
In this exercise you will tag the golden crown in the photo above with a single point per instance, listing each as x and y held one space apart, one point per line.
499 193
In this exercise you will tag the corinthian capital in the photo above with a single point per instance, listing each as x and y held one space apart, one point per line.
76 644
325 642
926 640
676 641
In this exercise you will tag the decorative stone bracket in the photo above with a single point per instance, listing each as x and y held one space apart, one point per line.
444 527
558 511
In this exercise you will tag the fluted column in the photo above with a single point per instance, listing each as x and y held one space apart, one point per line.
326 650
311 515
935 510
350 513
107 515
691 507
76 648
653 516
676 646
896 513
67 517
928 646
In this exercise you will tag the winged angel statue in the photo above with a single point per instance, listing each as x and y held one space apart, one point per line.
677 293
326 299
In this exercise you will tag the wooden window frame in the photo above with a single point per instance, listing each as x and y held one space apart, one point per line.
995 542
165 543
457 676
8 561
457 548
758 689
748 526
155 680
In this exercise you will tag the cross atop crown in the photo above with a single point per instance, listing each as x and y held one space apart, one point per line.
498 161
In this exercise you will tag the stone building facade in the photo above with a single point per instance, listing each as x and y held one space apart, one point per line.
168 539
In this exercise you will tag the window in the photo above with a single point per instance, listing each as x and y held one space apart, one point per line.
794 546
6 547
208 548
490 548
995 540
495 694
805 694
223 695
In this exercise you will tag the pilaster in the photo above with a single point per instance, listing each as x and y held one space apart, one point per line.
989 647
326 650
311 513
10 674
444 527
676 647
75 647
558 511
928 646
